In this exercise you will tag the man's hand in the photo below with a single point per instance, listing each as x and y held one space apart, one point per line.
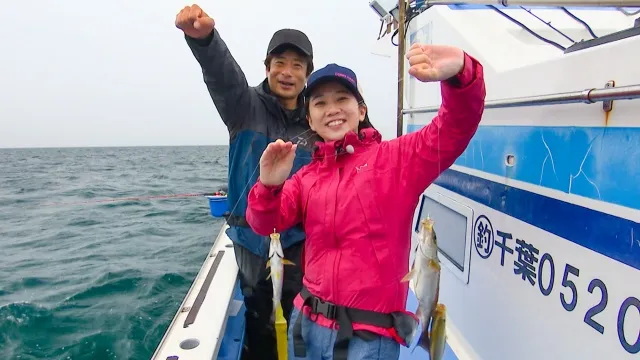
434 62
194 22
276 162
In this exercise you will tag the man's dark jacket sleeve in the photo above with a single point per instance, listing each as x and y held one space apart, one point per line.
225 80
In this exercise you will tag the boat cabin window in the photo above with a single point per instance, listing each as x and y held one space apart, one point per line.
452 224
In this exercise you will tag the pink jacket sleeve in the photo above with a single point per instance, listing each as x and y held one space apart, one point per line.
272 207
425 154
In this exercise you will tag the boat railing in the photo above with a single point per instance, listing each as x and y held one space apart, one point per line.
388 14
588 96
396 15
586 3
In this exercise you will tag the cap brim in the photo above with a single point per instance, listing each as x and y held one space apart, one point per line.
288 44
329 78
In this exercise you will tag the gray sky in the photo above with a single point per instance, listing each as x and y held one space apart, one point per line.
118 73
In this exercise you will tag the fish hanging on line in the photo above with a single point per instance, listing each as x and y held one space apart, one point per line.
276 262
425 281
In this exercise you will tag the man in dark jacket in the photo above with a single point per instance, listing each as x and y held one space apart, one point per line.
256 116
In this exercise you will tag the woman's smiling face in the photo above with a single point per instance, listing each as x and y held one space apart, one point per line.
334 111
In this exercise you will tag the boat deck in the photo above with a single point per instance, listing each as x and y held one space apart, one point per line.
231 347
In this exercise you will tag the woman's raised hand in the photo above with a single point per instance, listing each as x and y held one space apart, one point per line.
434 62
276 162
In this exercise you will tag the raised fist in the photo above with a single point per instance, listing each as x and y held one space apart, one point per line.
434 62
194 22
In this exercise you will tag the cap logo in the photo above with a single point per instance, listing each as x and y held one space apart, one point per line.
346 77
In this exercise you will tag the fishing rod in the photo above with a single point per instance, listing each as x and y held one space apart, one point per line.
139 198
402 18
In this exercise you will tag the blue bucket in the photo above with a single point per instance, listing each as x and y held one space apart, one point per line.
218 205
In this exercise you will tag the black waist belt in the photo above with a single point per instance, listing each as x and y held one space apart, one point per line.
236 220
344 317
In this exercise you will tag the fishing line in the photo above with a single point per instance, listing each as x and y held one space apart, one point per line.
167 196
258 166
438 145
185 195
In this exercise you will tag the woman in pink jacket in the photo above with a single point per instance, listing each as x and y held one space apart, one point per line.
356 201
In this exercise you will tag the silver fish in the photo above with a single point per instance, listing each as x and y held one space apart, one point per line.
276 262
425 278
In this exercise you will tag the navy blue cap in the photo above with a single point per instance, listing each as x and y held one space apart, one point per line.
334 72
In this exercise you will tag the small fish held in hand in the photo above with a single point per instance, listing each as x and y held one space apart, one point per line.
425 278
276 262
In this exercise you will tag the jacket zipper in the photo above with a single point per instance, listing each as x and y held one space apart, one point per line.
336 251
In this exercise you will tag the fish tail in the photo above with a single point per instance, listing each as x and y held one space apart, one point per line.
275 308
272 318
425 340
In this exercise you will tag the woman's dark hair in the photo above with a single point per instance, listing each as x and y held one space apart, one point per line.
366 123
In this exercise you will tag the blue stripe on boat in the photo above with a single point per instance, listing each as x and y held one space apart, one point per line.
603 233
599 163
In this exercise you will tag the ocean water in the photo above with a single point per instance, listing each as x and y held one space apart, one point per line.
81 279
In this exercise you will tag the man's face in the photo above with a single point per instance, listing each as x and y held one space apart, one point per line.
287 74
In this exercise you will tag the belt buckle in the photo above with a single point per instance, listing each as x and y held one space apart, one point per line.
325 308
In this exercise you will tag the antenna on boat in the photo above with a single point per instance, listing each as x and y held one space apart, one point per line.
402 19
